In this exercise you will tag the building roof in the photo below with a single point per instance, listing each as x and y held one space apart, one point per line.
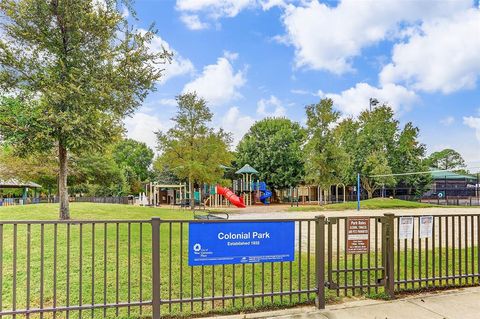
247 169
451 176
15 183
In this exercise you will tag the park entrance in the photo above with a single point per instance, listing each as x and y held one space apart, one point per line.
116 268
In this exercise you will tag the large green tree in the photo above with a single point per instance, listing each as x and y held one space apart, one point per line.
135 158
191 149
446 159
324 159
273 146
76 69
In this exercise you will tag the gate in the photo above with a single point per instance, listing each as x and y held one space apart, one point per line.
351 274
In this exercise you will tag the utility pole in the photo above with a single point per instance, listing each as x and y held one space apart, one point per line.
373 102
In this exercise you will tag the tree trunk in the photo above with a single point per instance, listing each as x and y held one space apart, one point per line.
62 183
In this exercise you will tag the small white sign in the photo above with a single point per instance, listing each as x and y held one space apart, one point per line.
406 228
426 226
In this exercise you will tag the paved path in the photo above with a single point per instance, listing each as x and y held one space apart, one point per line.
453 304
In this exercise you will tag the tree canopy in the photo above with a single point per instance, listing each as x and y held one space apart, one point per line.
70 71
192 150
446 159
273 146
324 158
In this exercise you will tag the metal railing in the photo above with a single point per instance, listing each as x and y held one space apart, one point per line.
139 268
135 268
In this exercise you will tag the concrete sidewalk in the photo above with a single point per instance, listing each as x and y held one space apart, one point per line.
453 304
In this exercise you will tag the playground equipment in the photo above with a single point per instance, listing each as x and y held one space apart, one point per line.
157 194
230 196
265 193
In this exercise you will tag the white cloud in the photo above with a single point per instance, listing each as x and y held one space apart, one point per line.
442 56
215 8
192 21
218 83
328 37
168 102
356 99
447 121
141 127
264 107
473 122
178 66
233 121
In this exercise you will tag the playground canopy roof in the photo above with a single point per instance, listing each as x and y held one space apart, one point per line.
438 175
15 183
247 169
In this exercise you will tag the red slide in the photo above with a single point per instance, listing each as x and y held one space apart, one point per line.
232 198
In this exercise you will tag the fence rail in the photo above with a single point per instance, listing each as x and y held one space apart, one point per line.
139 268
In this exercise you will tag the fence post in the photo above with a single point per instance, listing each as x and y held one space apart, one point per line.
320 260
390 253
155 268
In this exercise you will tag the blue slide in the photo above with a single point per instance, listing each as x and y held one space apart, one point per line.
266 194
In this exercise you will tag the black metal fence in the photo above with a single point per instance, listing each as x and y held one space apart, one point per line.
139 268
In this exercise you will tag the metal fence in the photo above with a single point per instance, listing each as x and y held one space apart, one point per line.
139 268
135 268
126 200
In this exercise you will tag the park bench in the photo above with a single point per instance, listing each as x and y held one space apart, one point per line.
210 215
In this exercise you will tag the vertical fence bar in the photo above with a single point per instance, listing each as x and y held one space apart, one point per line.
453 251
105 226
93 269
320 261
117 267
181 266
129 263
140 264
55 238
42 275
29 241
447 248
80 272
155 268
299 260
1 267
170 266
14 270
460 261
308 262
440 253
68 268
390 268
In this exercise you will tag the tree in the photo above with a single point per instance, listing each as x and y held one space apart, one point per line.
409 157
323 156
446 159
97 174
191 149
273 147
76 69
135 158
376 173
376 144
41 169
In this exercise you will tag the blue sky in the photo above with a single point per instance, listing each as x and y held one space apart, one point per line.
255 58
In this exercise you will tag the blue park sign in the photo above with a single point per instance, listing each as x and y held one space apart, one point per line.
240 242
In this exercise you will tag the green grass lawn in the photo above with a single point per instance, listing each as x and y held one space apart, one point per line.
374 203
